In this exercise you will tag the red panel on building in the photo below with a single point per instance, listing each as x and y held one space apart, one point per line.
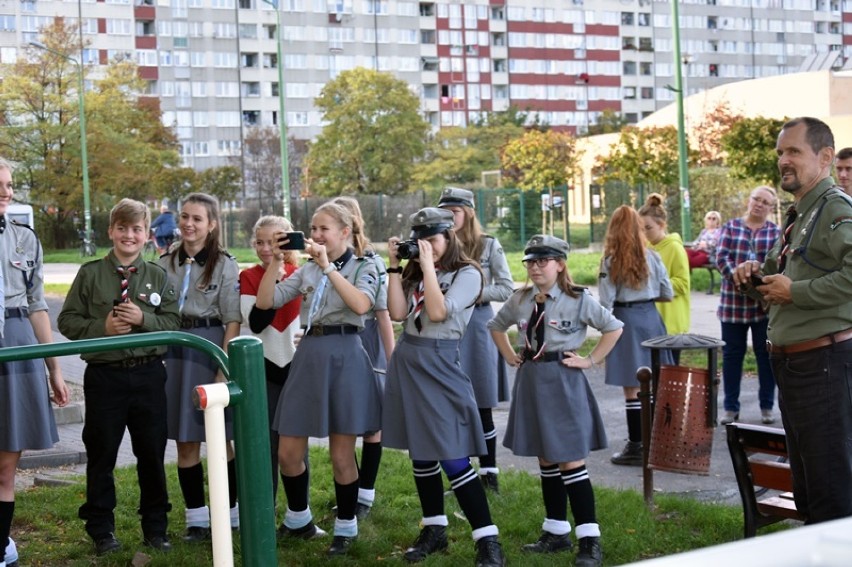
603 55
146 42
144 12
101 25
148 73
600 29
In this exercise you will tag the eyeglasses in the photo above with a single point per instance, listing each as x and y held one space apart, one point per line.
762 201
540 262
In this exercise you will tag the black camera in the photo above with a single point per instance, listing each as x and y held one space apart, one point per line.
408 250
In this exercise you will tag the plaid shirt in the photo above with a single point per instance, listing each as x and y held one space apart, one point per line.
738 244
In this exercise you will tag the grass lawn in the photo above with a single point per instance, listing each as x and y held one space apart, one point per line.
48 532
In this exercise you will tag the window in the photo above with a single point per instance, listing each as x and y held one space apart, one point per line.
627 18
645 68
713 70
644 19
646 44
629 92
647 93
712 22
629 67
628 42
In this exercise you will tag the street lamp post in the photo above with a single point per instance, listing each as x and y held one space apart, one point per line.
282 117
84 154
683 171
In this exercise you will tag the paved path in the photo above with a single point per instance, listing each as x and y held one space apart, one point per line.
718 485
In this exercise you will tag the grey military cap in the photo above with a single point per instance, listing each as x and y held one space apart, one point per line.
456 197
545 246
430 221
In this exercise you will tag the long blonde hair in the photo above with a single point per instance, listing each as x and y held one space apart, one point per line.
360 241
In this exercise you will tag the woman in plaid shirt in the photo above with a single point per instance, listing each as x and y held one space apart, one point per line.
746 238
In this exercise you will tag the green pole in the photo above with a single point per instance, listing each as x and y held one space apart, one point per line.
282 116
251 436
683 171
522 209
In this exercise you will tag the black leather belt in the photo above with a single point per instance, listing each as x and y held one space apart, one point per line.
196 322
553 356
134 362
19 312
631 303
320 330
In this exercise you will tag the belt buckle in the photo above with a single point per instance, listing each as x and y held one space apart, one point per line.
769 346
317 331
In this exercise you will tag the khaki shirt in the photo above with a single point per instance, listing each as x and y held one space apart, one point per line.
820 264
219 299
94 292
460 290
23 270
495 268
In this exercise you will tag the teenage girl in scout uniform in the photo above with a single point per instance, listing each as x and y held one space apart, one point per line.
206 278
23 383
479 357
331 391
275 327
429 407
554 415
378 339
631 280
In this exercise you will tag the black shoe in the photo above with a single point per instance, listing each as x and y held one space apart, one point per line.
12 564
362 511
630 456
490 482
489 552
589 553
196 533
549 543
106 544
160 543
431 540
340 545
309 531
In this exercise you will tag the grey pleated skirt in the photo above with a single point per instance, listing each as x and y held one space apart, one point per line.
554 414
429 408
641 322
187 368
480 358
26 418
332 388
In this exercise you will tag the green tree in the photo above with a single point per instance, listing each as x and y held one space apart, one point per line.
221 182
41 130
710 130
540 160
373 135
173 183
750 148
608 122
643 156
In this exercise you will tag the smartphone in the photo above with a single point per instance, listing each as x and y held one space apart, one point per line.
296 241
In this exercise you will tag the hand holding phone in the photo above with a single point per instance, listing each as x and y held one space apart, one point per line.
750 289
292 241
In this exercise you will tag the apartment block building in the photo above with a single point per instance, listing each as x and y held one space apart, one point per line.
214 64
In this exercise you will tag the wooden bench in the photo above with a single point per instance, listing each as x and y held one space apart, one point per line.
756 452
712 270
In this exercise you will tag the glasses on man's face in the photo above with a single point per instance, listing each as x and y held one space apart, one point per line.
762 201
540 262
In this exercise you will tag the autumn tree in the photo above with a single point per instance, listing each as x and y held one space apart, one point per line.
221 182
750 147
643 156
173 183
708 132
373 135
540 160
41 129
609 121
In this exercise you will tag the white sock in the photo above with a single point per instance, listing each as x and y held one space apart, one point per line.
587 530
366 497
198 517
235 517
11 552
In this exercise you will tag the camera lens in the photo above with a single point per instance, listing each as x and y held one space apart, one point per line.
408 250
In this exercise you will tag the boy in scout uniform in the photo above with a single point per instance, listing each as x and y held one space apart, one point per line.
118 295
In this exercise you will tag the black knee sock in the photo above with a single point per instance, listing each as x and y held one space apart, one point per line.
192 485
430 487
471 496
232 482
489 460
371 456
7 510
347 499
580 495
296 489
553 493
633 409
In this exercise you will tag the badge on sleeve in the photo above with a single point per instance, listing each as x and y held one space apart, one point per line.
155 299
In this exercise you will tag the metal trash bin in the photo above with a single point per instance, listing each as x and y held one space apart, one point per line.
681 439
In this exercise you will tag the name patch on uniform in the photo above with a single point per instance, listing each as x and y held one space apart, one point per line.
838 221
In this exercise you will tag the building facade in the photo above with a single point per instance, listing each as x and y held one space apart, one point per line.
214 64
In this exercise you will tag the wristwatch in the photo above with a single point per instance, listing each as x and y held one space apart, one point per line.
397 270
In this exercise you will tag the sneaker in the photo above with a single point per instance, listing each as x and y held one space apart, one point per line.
196 533
489 552
340 545
549 543
362 511
589 553
160 543
431 540
490 482
306 532
630 456
106 544
729 417
766 416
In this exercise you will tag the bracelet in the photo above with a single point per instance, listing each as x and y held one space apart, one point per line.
328 269
592 361
397 270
